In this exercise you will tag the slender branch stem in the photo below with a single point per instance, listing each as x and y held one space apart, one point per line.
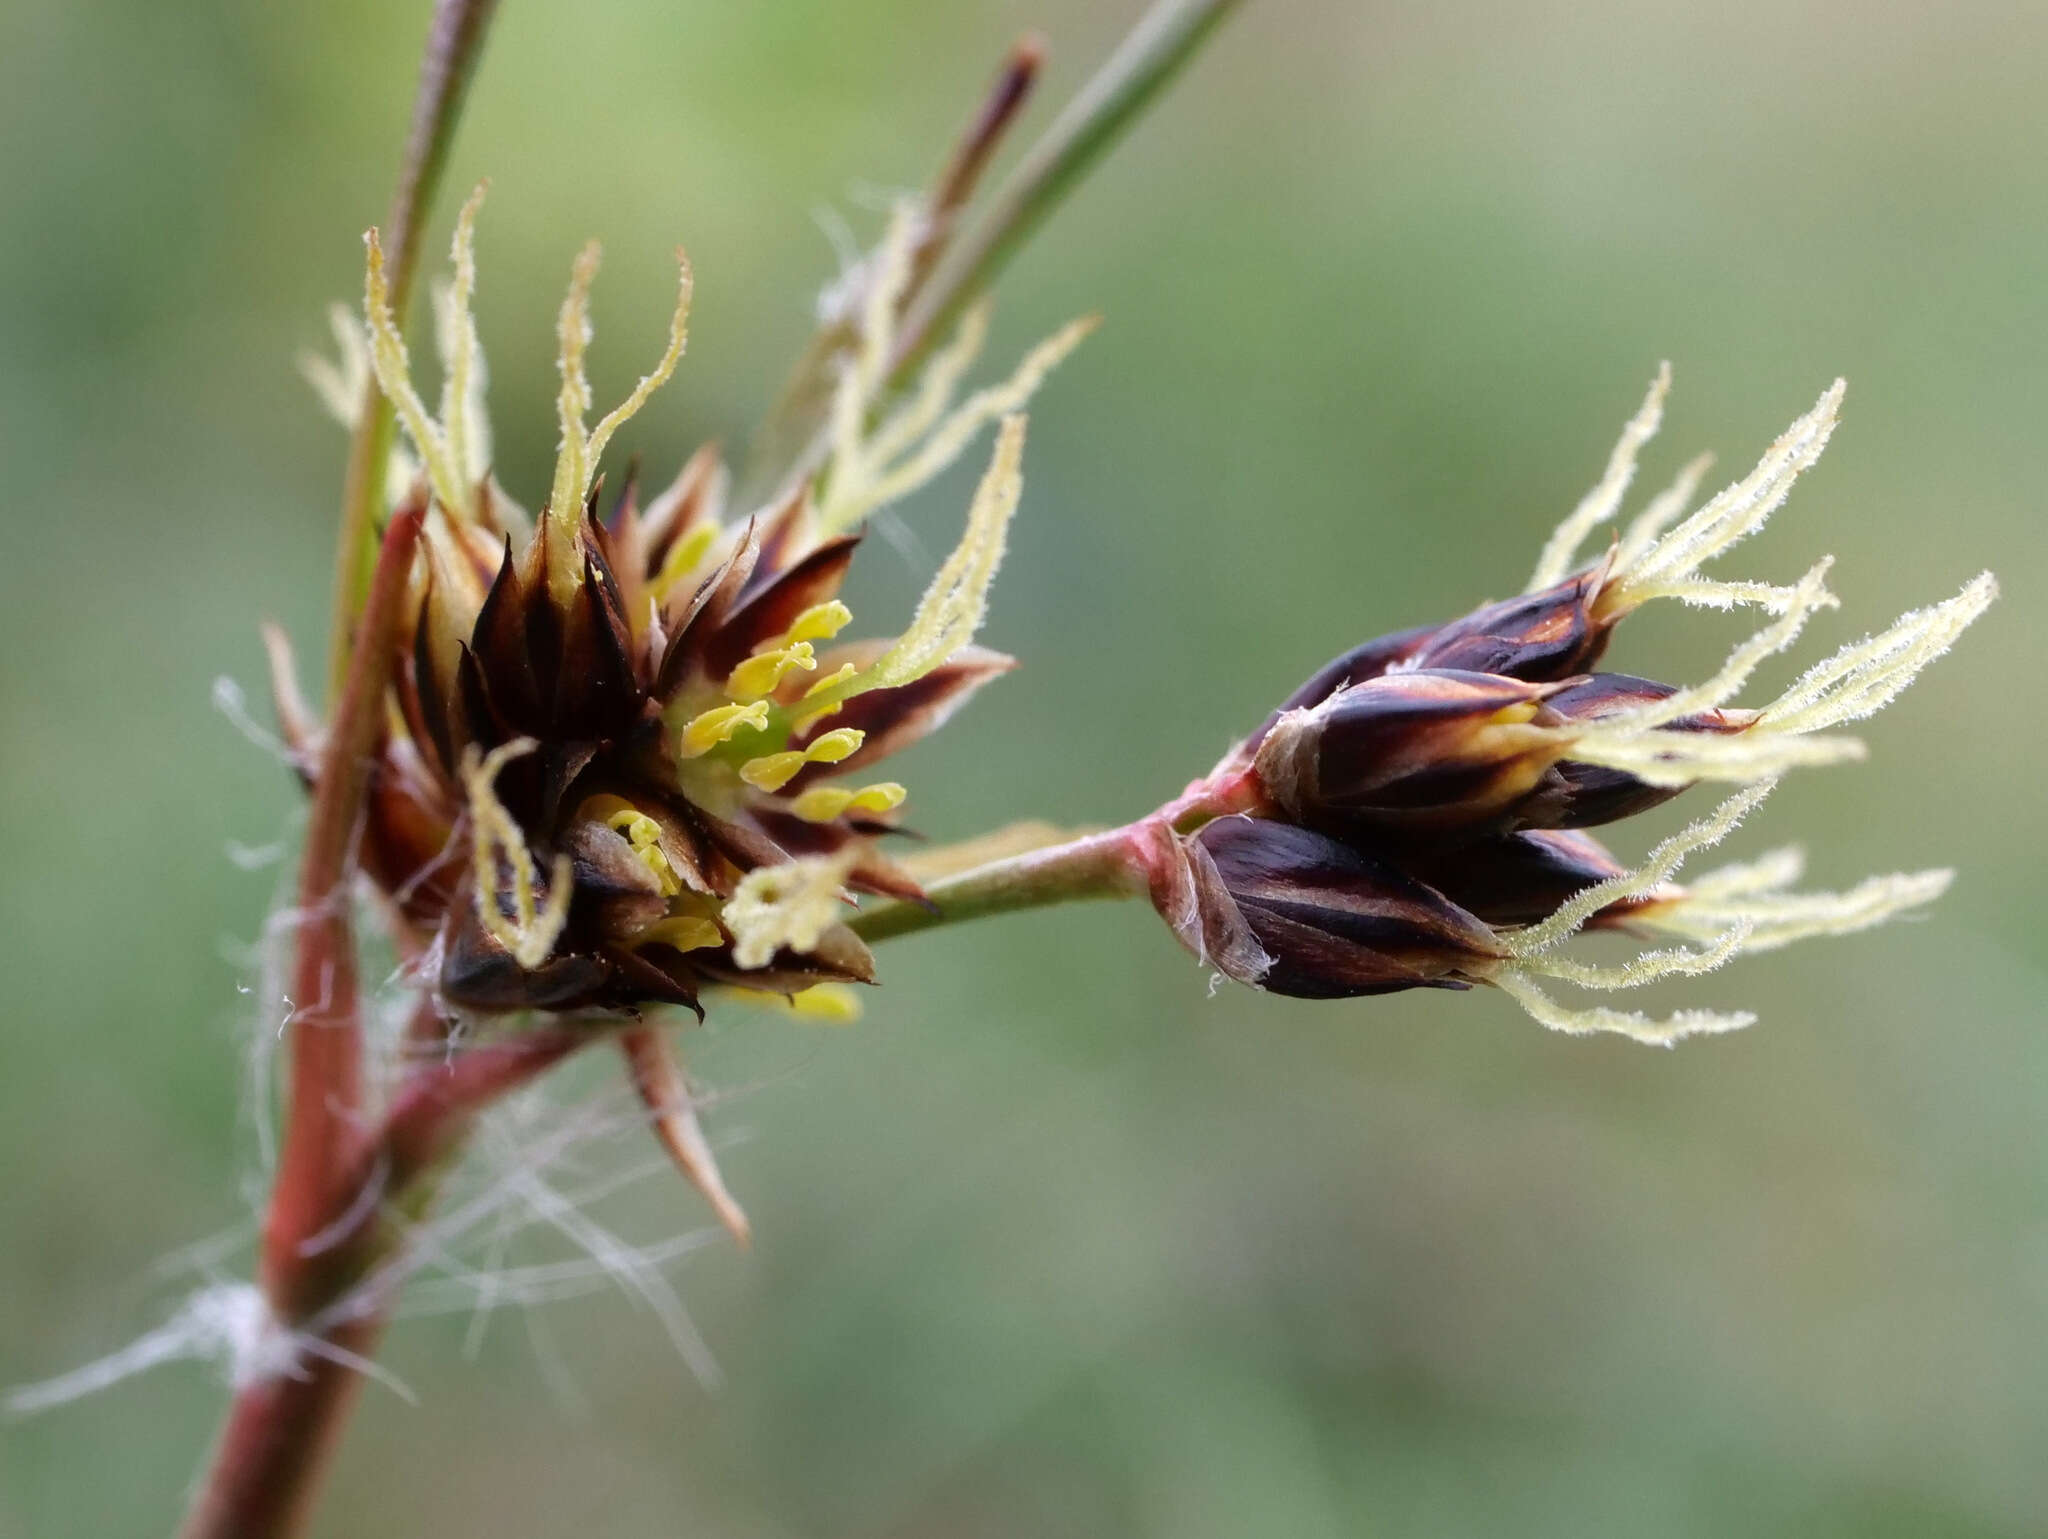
1164 40
454 44
789 434
279 1436
326 1031
1114 863
1104 865
282 1428
792 444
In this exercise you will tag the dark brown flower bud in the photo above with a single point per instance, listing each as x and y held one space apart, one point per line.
1538 637
479 972
1440 752
1329 921
1418 750
1364 662
1518 878
1580 795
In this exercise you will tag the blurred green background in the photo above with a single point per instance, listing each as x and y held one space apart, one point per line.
1054 1243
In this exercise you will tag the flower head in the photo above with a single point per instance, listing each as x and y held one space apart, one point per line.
607 722
1415 814
627 754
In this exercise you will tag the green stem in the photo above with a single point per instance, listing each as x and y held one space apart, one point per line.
793 442
788 436
1105 865
454 44
1164 40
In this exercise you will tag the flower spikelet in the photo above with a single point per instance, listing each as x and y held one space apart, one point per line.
628 757
1453 772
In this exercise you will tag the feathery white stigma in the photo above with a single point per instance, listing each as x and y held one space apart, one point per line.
868 471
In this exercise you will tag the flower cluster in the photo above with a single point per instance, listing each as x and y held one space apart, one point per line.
1416 814
626 756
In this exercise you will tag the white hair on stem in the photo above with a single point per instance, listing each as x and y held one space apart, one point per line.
521 1147
228 1323
515 1189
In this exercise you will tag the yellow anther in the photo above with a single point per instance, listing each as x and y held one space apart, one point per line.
882 796
705 732
758 675
838 676
821 804
683 932
641 831
831 747
821 622
638 830
771 772
684 556
1514 715
605 808
826 1004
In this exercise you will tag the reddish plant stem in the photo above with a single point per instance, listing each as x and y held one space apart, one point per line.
432 1114
971 155
279 1436
1162 42
323 1131
282 1429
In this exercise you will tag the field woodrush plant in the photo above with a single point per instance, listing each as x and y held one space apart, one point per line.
593 765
